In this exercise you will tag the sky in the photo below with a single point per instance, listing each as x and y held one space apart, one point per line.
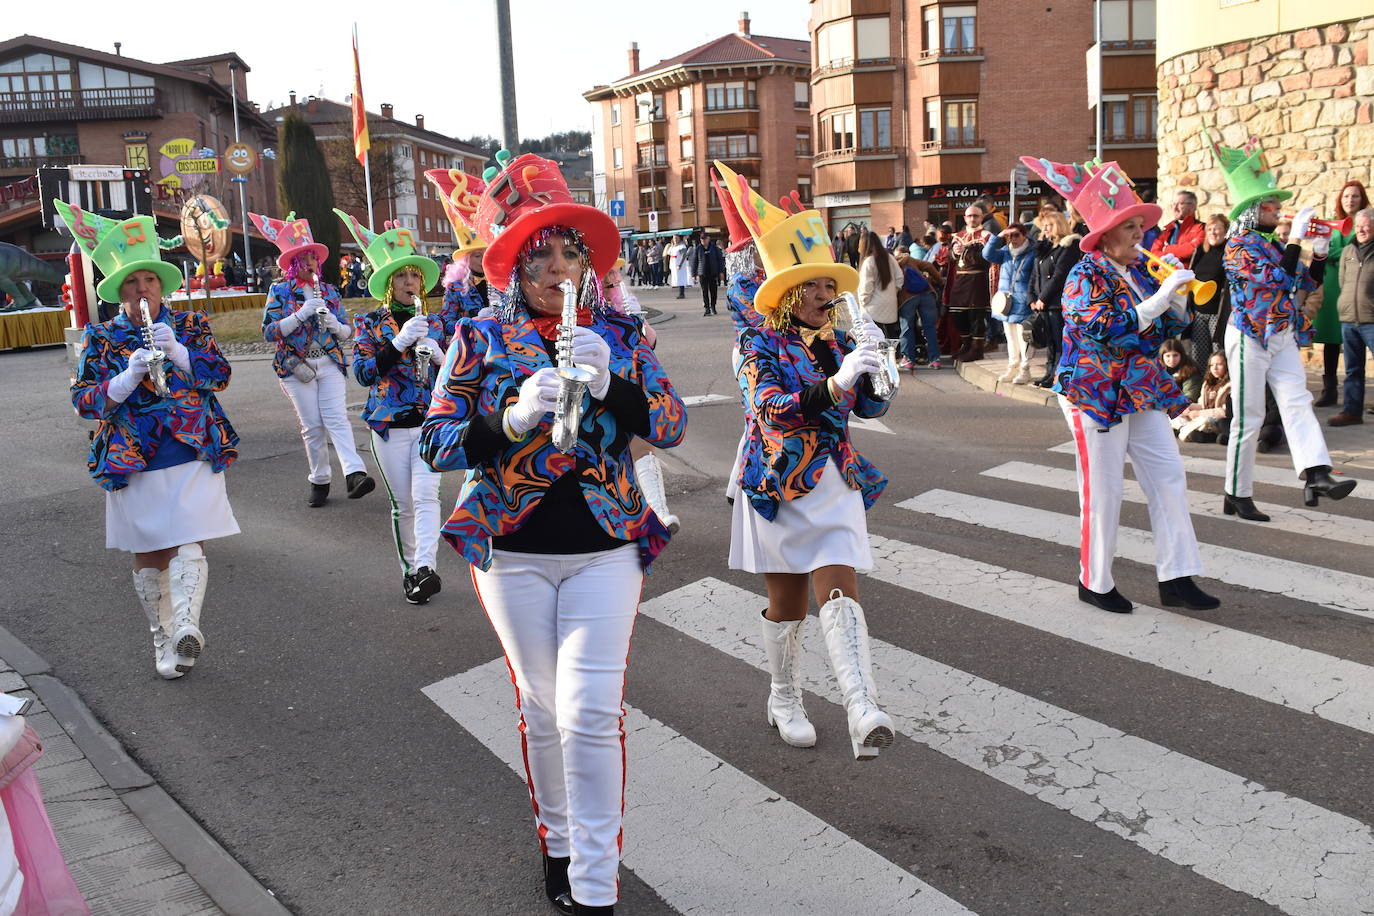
439 60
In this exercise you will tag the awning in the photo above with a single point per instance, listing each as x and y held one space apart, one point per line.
665 232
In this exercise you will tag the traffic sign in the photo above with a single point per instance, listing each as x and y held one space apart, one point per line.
617 208
653 220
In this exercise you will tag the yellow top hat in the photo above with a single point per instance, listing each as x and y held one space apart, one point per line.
793 246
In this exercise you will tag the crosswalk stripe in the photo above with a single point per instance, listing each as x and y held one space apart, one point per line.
703 400
1294 520
1290 853
1311 682
1330 588
695 826
1216 467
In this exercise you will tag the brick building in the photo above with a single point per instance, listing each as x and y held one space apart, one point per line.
741 98
400 155
63 105
921 107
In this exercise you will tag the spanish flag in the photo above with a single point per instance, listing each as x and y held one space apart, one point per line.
362 141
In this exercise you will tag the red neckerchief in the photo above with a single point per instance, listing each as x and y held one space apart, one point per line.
547 325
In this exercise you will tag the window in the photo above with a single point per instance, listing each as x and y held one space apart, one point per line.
653 199
428 225
801 94
804 189
1129 118
871 38
875 129
685 149
424 190
615 113
649 106
732 146
684 101
842 130
932 120
1144 114
689 195
726 96
803 141
37 73
950 30
651 155
15 149
961 123
1128 23
617 158
835 45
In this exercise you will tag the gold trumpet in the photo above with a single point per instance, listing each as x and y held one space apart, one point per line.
1202 290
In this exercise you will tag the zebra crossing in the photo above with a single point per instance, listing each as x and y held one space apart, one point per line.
722 842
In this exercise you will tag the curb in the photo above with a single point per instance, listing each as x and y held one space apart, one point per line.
981 376
19 656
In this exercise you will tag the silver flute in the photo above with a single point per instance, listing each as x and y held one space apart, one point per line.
889 377
573 381
157 357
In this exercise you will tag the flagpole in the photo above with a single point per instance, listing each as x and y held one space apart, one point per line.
360 108
367 180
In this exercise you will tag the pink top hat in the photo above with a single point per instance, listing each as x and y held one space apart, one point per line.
291 235
1101 192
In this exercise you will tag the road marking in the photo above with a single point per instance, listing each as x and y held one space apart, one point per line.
1340 528
877 426
1330 588
696 827
1216 467
1290 853
1311 682
704 400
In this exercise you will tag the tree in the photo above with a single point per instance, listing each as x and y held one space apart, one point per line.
389 178
303 182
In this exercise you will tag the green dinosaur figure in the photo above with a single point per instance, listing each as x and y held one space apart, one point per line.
17 264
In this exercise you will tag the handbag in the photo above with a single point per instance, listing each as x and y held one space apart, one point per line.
1001 304
27 749
1039 329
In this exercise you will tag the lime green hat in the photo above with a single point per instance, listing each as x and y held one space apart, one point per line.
120 247
1247 174
388 252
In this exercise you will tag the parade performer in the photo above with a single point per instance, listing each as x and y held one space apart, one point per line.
149 376
465 280
743 275
1114 391
559 541
1265 331
397 354
304 319
804 488
968 291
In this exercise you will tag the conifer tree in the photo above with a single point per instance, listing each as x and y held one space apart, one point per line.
303 183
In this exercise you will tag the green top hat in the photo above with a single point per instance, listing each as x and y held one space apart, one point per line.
120 247
388 252
1247 174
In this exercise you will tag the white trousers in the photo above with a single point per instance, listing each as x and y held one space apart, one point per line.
1251 366
1018 348
321 408
413 488
564 622
1101 454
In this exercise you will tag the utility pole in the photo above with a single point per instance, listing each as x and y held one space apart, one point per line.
251 274
510 130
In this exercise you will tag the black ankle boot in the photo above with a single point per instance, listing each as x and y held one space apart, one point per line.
1244 506
580 910
1321 483
556 883
1112 601
319 492
1183 592
1328 396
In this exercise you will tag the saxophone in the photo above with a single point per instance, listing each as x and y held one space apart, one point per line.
573 380
885 382
420 354
157 357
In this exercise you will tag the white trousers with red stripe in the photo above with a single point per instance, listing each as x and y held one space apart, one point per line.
1101 454
564 621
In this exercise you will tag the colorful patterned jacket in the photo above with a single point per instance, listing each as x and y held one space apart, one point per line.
283 299
482 374
461 300
1262 300
1109 367
785 451
739 299
192 414
396 390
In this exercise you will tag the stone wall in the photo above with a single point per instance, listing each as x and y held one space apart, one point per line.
1308 95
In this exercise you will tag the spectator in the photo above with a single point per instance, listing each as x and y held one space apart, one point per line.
904 238
890 241
1181 366
654 258
708 267
918 297
1055 254
1181 236
1027 219
1015 255
1206 265
851 245
919 248
1356 304
1351 199
679 273
1210 418
879 279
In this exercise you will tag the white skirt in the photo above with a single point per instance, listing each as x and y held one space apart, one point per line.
826 527
168 507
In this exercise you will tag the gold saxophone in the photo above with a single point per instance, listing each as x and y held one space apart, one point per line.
157 357
889 379
573 381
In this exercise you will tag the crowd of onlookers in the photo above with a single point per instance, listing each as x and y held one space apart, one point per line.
680 260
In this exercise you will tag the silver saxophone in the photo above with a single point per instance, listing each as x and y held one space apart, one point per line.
321 311
573 381
423 347
157 357
886 381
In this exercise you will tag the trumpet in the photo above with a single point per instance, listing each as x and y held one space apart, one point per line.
1318 228
573 381
157 357
1202 290
889 379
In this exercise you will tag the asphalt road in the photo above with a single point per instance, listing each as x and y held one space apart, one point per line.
1050 760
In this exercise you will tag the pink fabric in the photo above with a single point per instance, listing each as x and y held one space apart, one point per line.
48 886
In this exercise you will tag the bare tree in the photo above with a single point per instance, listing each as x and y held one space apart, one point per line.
389 177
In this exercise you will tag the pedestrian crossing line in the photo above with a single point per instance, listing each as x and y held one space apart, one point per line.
1330 588
1216 467
1311 682
707 837
1290 853
1340 528
705 400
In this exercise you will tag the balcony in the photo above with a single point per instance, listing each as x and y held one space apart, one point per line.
33 163
943 55
953 145
854 152
1125 140
80 105
647 165
848 65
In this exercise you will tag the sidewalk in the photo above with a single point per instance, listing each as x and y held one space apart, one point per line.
131 848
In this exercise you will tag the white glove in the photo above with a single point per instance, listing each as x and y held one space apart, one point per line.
590 351
538 397
857 363
166 340
1321 245
411 332
1172 261
875 333
1147 311
123 384
1302 224
306 310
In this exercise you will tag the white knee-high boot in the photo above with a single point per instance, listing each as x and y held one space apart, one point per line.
649 473
151 586
187 572
783 643
846 636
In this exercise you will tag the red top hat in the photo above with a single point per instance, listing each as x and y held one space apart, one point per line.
291 235
739 233
527 194
1101 193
